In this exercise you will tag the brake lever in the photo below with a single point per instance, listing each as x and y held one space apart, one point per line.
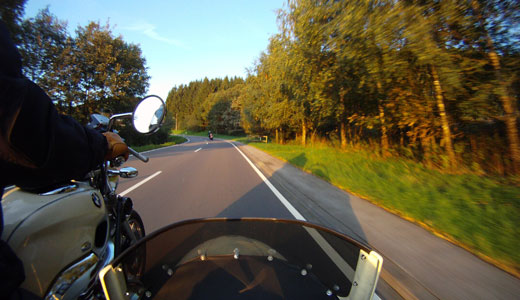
138 155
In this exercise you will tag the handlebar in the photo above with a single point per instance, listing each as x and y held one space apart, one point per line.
138 155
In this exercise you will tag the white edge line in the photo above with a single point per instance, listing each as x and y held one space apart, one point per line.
282 199
198 150
140 183
334 256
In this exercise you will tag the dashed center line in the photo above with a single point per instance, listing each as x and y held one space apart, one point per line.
198 150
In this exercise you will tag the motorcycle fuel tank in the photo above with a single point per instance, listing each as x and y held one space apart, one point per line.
51 232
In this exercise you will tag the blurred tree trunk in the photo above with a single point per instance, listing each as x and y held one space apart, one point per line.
342 119
448 139
512 131
343 135
384 135
510 110
304 133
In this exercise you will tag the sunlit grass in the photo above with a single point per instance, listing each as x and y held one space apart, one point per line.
481 213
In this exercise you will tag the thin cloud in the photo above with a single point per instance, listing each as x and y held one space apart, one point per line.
149 30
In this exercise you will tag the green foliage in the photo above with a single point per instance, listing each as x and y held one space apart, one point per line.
11 12
108 70
90 72
221 110
207 104
45 38
413 77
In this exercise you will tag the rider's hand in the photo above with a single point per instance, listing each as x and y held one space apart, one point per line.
116 146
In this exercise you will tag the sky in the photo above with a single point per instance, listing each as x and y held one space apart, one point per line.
182 41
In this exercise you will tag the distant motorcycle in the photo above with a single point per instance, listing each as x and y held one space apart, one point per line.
66 234
211 136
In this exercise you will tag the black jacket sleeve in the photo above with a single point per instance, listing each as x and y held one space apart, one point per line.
45 147
38 146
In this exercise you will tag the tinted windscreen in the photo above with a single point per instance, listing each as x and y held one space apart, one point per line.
242 259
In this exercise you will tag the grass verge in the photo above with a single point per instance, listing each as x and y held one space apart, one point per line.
481 214
172 140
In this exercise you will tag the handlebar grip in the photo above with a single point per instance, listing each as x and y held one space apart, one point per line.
138 155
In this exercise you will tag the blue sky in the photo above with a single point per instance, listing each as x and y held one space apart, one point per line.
182 41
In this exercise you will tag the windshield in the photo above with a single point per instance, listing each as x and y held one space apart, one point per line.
243 259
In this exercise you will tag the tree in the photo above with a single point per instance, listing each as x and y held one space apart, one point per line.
44 40
109 69
498 21
91 72
221 113
415 77
11 12
206 104
358 38
302 61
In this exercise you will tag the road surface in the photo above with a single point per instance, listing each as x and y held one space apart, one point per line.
203 178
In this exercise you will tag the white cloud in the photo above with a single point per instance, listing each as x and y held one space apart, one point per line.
149 30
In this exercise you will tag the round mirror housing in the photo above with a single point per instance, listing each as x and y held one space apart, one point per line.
149 114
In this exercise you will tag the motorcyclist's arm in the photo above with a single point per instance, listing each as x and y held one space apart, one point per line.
38 146
49 147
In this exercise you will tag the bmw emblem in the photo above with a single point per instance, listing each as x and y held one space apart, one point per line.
96 200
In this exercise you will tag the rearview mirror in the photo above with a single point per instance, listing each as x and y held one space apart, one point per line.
149 114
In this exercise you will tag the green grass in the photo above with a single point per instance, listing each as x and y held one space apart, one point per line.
480 213
172 140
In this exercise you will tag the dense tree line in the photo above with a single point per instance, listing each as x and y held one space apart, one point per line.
424 78
92 71
436 81
207 105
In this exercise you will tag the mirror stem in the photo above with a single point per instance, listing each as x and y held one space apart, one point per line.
117 116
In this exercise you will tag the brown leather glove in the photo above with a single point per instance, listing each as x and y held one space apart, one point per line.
116 146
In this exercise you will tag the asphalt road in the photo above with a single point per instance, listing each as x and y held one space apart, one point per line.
199 179
205 178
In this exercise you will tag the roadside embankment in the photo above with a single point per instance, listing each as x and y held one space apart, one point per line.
478 213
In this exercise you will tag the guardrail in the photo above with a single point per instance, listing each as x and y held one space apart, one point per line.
258 138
